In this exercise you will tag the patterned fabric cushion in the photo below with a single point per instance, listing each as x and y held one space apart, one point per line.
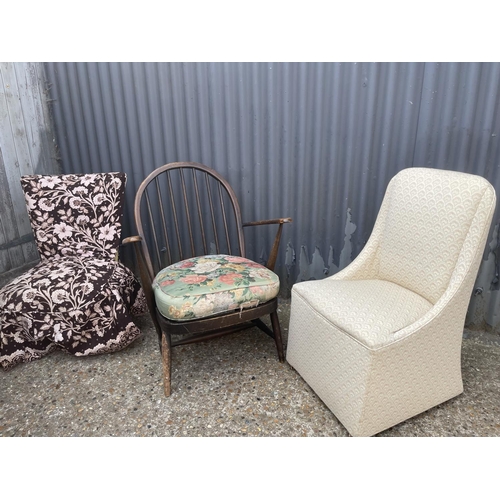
371 311
212 284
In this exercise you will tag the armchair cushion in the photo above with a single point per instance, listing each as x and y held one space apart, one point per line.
370 311
211 284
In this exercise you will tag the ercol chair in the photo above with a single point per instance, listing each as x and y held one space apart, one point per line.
380 341
191 254
78 298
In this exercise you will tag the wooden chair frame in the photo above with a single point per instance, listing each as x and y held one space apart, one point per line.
214 326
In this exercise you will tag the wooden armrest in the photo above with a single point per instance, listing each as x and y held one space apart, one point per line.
270 221
145 267
145 273
274 250
131 239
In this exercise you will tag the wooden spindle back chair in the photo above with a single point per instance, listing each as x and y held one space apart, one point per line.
184 210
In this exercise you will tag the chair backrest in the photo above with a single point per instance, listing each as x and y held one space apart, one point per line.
184 210
75 214
428 217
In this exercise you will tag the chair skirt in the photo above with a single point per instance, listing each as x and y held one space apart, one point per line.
81 305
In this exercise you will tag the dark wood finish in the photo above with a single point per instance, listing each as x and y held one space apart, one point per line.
161 241
277 335
274 250
166 356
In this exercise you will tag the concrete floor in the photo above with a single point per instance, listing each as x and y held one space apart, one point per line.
231 386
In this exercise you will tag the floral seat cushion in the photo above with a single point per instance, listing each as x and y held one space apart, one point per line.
84 307
212 284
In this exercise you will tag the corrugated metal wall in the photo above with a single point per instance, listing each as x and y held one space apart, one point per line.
315 141
26 147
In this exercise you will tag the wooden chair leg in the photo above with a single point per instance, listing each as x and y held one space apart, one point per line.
277 336
157 326
166 354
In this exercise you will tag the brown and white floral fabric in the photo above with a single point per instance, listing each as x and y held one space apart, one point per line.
77 298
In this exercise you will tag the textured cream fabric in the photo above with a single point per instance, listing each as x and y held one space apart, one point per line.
425 229
370 311
373 377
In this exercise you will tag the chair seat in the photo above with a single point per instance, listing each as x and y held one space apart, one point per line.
212 284
370 311
81 305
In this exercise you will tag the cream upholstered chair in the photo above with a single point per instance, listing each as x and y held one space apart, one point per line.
380 341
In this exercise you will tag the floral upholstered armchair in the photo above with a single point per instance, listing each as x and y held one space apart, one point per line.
78 298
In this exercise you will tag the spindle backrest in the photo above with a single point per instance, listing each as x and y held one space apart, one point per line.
187 209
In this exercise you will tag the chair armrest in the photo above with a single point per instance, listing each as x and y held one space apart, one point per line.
274 250
270 221
131 239
126 241
145 267
145 273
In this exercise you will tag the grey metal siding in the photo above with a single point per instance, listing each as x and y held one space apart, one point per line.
26 147
315 141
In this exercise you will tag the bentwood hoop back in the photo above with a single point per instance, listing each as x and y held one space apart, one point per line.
187 210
